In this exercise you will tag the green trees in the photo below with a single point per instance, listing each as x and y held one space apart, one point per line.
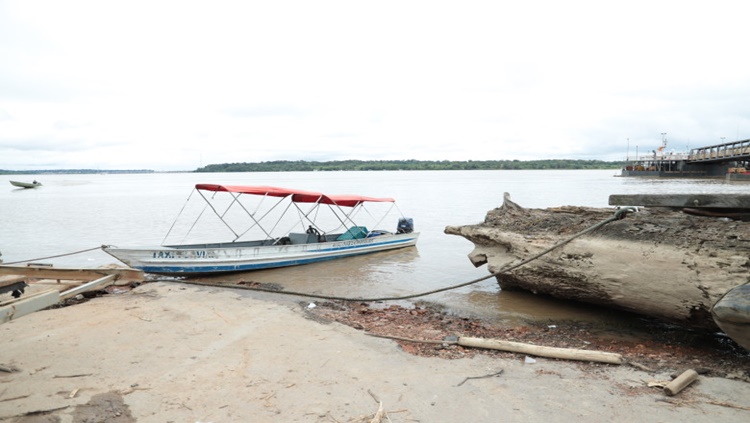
305 166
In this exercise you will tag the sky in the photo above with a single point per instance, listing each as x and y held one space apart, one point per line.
176 85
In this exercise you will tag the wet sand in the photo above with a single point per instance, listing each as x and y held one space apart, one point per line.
181 353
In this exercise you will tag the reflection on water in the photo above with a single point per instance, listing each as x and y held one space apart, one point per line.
522 306
364 276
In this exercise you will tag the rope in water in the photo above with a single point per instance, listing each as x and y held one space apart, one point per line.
619 214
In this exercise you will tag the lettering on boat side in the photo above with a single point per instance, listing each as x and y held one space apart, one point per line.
191 254
201 254
356 242
257 251
163 254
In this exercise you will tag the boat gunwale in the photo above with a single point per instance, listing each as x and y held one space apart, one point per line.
302 255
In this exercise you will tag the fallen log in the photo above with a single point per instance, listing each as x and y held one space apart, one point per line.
518 347
541 351
681 382
658 262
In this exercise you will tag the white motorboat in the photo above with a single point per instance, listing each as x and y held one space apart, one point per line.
322 228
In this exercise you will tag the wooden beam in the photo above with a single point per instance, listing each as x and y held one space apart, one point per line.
95 284
7 280
681 382
28 305
721 201
11 283
541 351
124 275
16 308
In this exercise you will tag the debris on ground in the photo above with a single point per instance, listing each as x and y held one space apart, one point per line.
665 350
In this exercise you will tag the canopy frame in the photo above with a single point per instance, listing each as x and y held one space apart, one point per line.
343 207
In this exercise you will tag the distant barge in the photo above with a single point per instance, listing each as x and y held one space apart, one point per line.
728 160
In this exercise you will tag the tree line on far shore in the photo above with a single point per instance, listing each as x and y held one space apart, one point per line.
71 171
360 165
308 166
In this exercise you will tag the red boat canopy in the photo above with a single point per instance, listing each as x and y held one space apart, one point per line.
339 200
298 196
255 190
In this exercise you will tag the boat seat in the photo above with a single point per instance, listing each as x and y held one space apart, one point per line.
355 232
302 238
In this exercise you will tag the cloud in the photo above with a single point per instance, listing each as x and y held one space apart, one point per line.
264 111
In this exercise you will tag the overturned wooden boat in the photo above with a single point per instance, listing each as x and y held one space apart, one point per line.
659 262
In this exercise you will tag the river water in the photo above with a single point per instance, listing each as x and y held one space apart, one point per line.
77 212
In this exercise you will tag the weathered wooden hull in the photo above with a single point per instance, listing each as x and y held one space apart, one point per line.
656 262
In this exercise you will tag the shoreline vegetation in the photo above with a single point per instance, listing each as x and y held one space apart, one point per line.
357 165
360 165
71 171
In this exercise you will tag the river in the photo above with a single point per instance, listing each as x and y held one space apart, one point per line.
71 213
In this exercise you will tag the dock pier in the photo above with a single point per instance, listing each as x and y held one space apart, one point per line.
729 160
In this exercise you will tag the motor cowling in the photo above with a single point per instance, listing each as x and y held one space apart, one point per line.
405 225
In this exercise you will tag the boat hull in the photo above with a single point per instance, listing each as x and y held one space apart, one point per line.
25 184
732 314
658 262
229 257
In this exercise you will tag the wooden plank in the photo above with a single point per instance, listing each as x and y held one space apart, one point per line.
96 284
28 305
541 351
723 201
7 280
124 275
12 283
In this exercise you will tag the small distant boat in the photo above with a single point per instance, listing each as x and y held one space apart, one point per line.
286 227
26 184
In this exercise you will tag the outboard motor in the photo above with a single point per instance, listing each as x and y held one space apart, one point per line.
405 225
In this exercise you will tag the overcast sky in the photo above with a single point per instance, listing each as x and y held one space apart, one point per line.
174 85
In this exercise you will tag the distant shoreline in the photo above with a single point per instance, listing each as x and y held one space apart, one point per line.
353 165
75 171
361 165
375 165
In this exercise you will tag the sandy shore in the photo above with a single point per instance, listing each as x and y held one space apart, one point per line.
168 352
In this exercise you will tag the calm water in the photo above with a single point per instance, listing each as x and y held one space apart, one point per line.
76 212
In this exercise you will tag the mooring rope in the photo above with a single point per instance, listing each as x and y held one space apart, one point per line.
619 214
59 255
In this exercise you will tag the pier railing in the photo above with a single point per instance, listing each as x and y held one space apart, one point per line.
737 150
658 156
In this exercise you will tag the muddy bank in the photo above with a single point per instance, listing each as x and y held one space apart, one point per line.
174 352
663 348
656 262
